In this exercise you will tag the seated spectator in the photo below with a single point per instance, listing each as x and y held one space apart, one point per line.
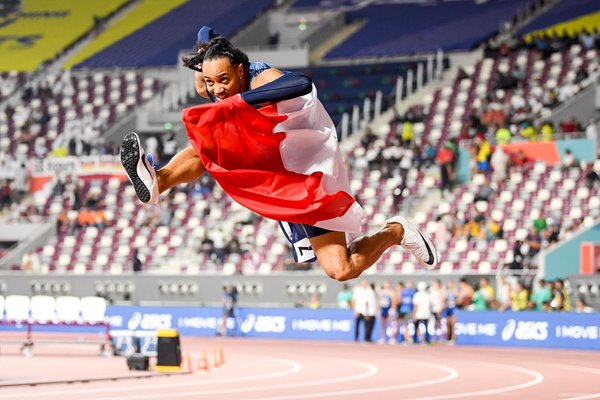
485 192
493 230
582 307
547 130
528 132
471 229
519 161
591 177
503 135
533 242
551 235
570 125
518 258
540 223
569 161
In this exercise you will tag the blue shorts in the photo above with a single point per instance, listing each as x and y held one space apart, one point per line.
298 235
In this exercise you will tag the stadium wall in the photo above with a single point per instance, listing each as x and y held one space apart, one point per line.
585 106
564 259
528 329
282 289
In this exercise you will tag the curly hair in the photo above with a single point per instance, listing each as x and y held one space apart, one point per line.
218 47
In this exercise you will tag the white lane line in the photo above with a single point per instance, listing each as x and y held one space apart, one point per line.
294 368
585 397
537 379
452 374
371 370
579 368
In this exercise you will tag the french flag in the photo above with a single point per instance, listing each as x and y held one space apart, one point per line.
281 161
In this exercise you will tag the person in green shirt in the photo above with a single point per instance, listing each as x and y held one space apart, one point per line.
542 295
479 301
344 297
540 224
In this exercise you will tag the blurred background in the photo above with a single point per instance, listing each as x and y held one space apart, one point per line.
477 119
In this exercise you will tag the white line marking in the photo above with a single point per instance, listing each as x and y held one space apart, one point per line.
371 370
452 374
295 367
580 368
538 378
585 397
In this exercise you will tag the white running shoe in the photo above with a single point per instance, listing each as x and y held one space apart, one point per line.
416 243
141 173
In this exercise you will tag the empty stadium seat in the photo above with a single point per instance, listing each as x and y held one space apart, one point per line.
43 309
17 308
93 309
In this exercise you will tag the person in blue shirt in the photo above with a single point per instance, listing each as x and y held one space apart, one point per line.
406 307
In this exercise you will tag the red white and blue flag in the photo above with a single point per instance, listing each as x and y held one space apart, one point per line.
281 161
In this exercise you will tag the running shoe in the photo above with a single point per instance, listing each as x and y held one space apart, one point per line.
419 245
140 171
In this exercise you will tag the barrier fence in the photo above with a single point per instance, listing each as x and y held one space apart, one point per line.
136 326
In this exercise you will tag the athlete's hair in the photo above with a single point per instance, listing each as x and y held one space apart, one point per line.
220 47
194 60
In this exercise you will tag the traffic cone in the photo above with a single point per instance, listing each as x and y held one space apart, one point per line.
186 364
203 362
219 359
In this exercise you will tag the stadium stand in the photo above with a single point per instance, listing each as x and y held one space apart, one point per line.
341 88
393 29
36 33
159 42
51 112
566 16
143 13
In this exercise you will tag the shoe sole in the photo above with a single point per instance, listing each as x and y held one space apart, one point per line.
428 243
130 157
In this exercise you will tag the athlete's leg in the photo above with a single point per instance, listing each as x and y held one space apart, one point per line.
148 183
342 262
184 167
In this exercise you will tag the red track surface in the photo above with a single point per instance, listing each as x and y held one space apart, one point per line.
269 370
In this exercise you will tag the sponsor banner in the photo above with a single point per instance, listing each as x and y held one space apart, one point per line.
529 329
250 322
84 167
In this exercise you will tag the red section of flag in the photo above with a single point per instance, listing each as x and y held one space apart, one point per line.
239 148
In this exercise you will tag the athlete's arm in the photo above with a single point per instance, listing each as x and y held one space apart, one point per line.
273 85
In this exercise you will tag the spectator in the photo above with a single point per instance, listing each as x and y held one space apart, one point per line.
364 304
230 298
450 307
405 309
520 297
137 262
344 297
465 294
569 161
438 301
591 177
542 295
421 313
315 301
30 262
582 307
503 298
561 301
385 304
445 158
499 164
591 132
518 258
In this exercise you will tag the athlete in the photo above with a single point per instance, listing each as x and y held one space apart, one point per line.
300 175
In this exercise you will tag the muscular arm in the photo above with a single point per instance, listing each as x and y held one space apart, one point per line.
273 85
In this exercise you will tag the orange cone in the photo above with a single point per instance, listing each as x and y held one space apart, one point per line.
203 362
186 364
219 357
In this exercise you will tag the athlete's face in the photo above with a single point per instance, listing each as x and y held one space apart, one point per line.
222 78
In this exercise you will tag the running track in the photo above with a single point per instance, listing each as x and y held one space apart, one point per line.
278 370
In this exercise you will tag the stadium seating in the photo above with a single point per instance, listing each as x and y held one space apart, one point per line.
393 29
105 97
159 42
39 34
570 15
341 88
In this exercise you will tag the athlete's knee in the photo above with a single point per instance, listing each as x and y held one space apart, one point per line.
342 272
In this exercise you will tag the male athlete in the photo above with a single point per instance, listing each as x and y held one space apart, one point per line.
281 161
